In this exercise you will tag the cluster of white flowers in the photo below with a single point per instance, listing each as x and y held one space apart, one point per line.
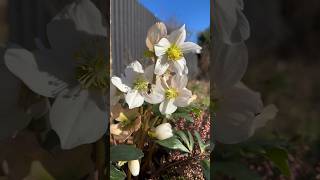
164 82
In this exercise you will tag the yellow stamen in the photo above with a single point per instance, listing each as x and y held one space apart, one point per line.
140 84
171 93
174 53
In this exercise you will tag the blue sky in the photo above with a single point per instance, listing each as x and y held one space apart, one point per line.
194 13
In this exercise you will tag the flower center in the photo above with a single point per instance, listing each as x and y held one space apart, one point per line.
92 70
140 84
174 53
171 93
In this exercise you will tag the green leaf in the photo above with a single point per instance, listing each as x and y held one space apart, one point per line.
235 170
184 115
116 174
205 164
125 152
279 157
202 145
191 140
173 143
184 138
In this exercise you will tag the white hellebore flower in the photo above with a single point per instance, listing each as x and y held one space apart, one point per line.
134 83
163 131
170 52
155 33
73 71
134 167
172 95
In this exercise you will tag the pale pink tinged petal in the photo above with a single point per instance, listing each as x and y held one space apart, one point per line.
134 99
161 48
179 81
167 107
190 47
117 82
161 65
155 33
178 36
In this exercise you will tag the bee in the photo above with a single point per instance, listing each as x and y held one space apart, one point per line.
149 88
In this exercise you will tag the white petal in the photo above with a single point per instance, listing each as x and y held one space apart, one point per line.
190 47
230 64
134 167
179 81
78 22
236 114
135 66
116 81
78 117
47 76
134 99
184 97
155 97
163 131
179 66
178 36
167 107
268 113
161 48
161 65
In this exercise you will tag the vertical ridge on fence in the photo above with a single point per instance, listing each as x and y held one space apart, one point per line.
130 22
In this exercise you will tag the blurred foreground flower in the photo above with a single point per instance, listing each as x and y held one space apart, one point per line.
231 24
74 72
15 114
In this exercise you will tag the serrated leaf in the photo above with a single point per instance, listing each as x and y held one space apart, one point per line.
279 157
205 164
235 170
116 174
125 152
173 143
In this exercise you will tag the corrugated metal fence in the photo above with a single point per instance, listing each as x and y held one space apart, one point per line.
130 22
